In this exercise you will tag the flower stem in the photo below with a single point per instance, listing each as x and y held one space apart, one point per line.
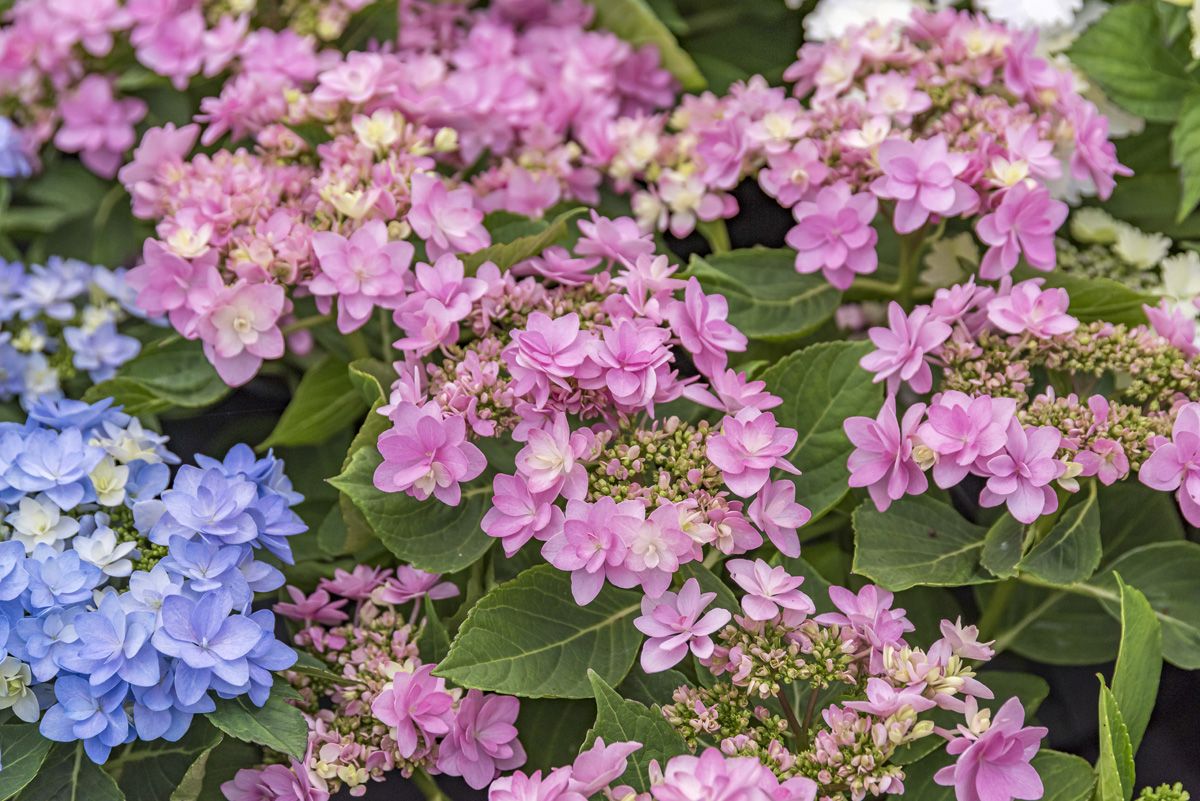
911 246
716 234
989 623
305 322
385 335
799 733
428 786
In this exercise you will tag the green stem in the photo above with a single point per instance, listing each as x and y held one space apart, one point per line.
989 622
305 322
716 234
358 345
385 335
799 732
911 246
428 786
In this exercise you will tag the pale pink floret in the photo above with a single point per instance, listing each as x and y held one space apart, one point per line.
700 322
97 126
923 178
882 460
885 699
1022 225
550 460
482 740
748 446
1175 465
416 707
592 545
629 359
1171 323
518 515
424 454
1030 309
768 589
1105 459
995 765
362 272
1021 475
833 234
445 218
677 623
241 328
902 346
776 512
961 430
546 353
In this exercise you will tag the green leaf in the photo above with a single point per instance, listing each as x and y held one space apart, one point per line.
1002 546
430 535
620 720
68 775
22 751
433 641
1071 551
1095 298
553 730
1114 769
506 254
1123 53
1185 154
276 724
152 771
821 386
167 374
373 379
1132 515
768 299
1139 662
651 688
324 403
635 22
918 541
1053 626
191 786
528 637
1166 573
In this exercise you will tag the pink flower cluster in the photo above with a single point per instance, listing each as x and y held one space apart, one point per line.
404 151
403 718
946 115
893 685
595 335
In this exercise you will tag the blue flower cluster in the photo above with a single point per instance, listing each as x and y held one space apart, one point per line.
14 158
58 321
125 594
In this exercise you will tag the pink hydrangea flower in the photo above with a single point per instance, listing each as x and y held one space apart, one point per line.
599 766
293 782
882 460
1028 308
676 623
1176 327
776 512
768 589
700 322
97 126
869 614
748 445
1105 459
995 765
410 584
900 348
547 351
518 515
617 240
550 460
731 391
895 95
445 218
961 430
315 608
964 640
424 454
1175 466
241 329
441 296
416 707
592 545
1023 224
482 740
630 358
362 272
792 174
517 786
165 282
833 234
923 178
885 700
159 149
1021 476
712 775
1095 157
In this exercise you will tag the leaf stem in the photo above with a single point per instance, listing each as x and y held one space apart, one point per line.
997 605
428 786
716 234
385 335
305 322
799 732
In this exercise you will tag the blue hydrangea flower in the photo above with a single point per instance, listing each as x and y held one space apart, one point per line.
267 656
83 714
50 289
40 640
114 643
208 566
64 413
59 579
159 714
56 463
208 643
13 578
14 160
101 350
147 591
207 503
266 472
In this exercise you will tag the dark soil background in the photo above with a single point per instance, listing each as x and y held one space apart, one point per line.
1170 751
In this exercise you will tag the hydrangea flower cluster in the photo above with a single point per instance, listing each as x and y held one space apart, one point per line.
994 419
125 601
943 116
572 354
356 155
884 690
59 64
378 709
61 326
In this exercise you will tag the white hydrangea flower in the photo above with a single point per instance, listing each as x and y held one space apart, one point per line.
109 479
1181 281
131 443
41 379
1139 248
38 521
1031 13
15 678
831 18
102 550
1094 226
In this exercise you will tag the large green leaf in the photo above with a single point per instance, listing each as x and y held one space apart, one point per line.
276 724
68 775
635 22
1139 662
172 373
1071 551
1132 515
1002 546
324 403
553 730
528 637
1051 625
156 770
22 751
821 386
651 688
1114 769
506 254
768 299
918 541
1185 154
1124 53
428 534
621 720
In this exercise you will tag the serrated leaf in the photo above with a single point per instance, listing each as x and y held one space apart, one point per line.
635 22
1002 546
650 688
528 637
276 724
621 720
428 534
768 299
1139 662
325 402
506 254
1071 551
917 541
22 751
152 771
169 374
1114 769
821 386
1185 154
68 775
1123 52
